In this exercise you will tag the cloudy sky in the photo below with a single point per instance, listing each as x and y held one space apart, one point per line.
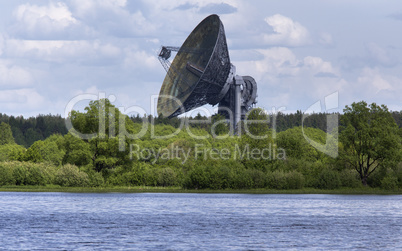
299 52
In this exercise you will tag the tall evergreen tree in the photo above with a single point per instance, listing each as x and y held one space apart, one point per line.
6 135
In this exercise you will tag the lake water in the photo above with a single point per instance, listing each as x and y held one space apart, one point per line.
151 221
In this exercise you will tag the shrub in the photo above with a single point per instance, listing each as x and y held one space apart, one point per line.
374 180
257 177
6 175
167 177
242 179
95 179
36 176
20 174
277 180
399 174
219 177
389 183
281 180
349 178
198 178
70 176
328 179
132 178
295 180
150 177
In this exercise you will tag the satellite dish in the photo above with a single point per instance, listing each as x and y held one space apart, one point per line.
201 73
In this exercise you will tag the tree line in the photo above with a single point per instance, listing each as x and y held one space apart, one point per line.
135 151
28 130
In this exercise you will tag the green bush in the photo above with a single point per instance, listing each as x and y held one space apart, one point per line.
349 178
95 179
36 176
70 176
20 174
399 174
277 180
28 173
389 183
167 177
242 179
219 177
281 180
257 177
328 179
374 180
6 175
133 178
198 178
295 180
150 177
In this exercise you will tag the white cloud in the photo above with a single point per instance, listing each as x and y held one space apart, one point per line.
90 90
278 61
371 80
1 44
23 101
62 51
120 22
380 55
12 76
47 21
83 7
139 59
58 13
286 32
274 62
222 8
285 79
282 62
319 66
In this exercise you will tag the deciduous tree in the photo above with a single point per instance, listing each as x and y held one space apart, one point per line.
369 138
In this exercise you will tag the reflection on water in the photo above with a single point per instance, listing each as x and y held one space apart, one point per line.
204 221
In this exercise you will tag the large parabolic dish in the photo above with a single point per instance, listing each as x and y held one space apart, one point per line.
199 71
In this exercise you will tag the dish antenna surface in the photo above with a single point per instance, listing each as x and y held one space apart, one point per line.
201 73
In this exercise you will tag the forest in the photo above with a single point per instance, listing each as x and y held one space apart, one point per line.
105 148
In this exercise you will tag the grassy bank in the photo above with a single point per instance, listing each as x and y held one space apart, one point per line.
146 189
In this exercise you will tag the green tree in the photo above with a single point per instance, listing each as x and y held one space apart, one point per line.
219 125
47 150
6 135
369 138
33 153
78 151
296 146
109 147
11 152
256 140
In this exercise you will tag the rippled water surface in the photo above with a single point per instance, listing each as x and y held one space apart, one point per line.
30 221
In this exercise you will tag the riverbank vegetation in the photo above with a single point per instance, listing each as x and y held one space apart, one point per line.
361 154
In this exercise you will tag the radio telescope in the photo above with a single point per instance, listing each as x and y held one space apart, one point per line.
201 73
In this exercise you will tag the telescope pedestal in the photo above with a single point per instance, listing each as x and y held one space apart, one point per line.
238 83
239 99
